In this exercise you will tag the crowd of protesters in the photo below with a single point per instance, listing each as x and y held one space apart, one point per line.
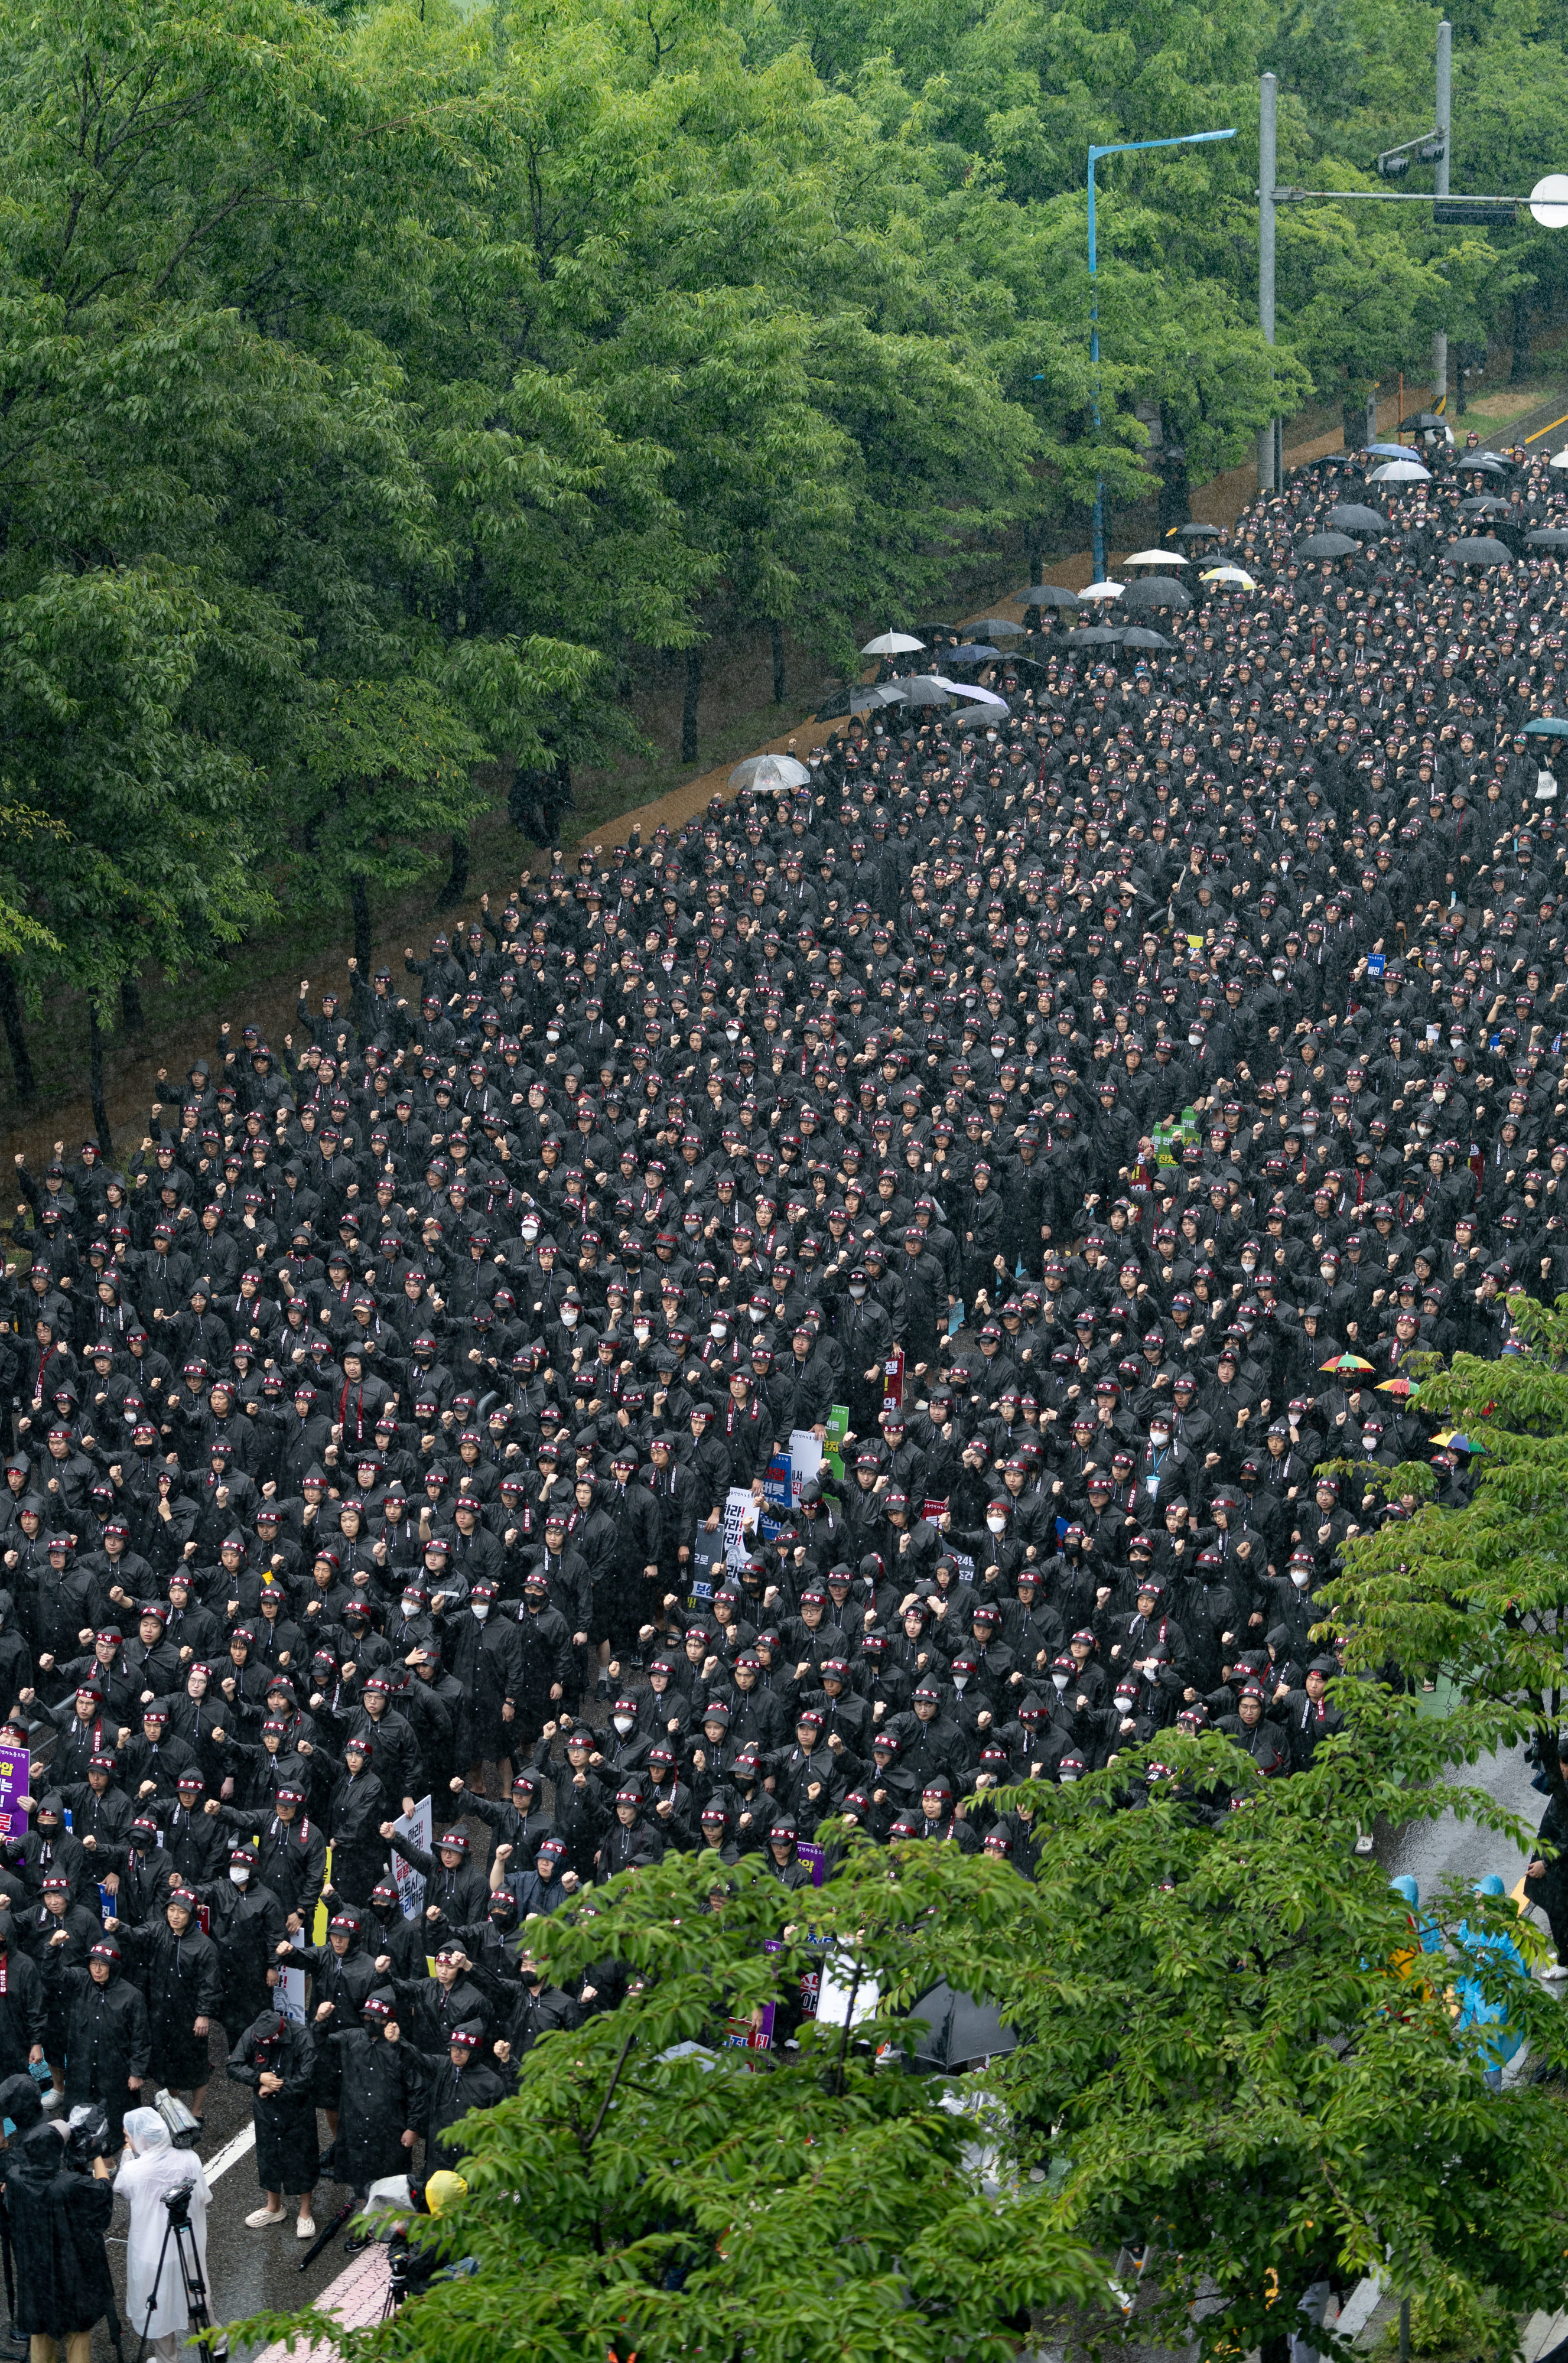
1101 1105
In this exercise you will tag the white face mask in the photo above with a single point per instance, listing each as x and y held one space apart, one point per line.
757 1312
623 1723
640 1331
481 1610
961 1683
238 1876
997 1526
1159 1437
531 1230
721 1328
857 1288
410 1608
1299 1580
569 1317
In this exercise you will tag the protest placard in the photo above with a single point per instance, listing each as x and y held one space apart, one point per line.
289 1995
419 1827
15 1779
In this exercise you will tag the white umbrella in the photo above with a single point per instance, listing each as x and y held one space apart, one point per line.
891 644
975 697
1557 459
1156 558
764 772
1228 574
1105 590
1400 471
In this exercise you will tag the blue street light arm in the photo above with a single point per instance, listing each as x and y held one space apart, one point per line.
1119 147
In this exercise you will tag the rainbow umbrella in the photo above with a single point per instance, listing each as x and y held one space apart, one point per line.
1346 1362
1400 1386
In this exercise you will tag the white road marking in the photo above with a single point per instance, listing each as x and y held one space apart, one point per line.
230 2153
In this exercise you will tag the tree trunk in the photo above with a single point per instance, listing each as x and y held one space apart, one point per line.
95 1081
1520 370
689 706
1037 574
361 909
1175 506
456 888
131 1015
16 1038
781 683
1352 417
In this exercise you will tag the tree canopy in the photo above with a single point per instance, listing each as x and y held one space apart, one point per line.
1231 2051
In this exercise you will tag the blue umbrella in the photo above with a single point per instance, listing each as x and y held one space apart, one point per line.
973 652
1547 726
1391 450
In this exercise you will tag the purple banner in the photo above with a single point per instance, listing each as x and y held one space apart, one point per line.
807 1853
14 1784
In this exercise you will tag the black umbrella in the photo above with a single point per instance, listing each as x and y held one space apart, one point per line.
1045 594
1485 504
1099 636
1197 533
1327 544
1547 537
1485 462
1143 635
1354 516
958 2029
1478 550
989 625
1156 590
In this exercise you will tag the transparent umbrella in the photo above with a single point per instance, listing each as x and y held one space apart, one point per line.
1105 590
891 644
1400 471
765 772
1156 558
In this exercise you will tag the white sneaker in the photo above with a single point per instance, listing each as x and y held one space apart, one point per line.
305 2229
260 2215
53 2101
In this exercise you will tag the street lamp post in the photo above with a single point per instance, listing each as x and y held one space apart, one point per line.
1120 147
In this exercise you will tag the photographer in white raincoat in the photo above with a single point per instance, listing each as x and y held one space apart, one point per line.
151 2168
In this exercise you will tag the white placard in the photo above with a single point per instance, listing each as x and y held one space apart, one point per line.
738 1507
289 1995
805 1462
417 1828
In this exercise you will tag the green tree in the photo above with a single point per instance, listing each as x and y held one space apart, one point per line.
1226 2059
795 2207
1478 1596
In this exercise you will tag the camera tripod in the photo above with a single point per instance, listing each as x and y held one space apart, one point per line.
182 2231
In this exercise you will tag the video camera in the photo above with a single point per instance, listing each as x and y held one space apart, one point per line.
86 2137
